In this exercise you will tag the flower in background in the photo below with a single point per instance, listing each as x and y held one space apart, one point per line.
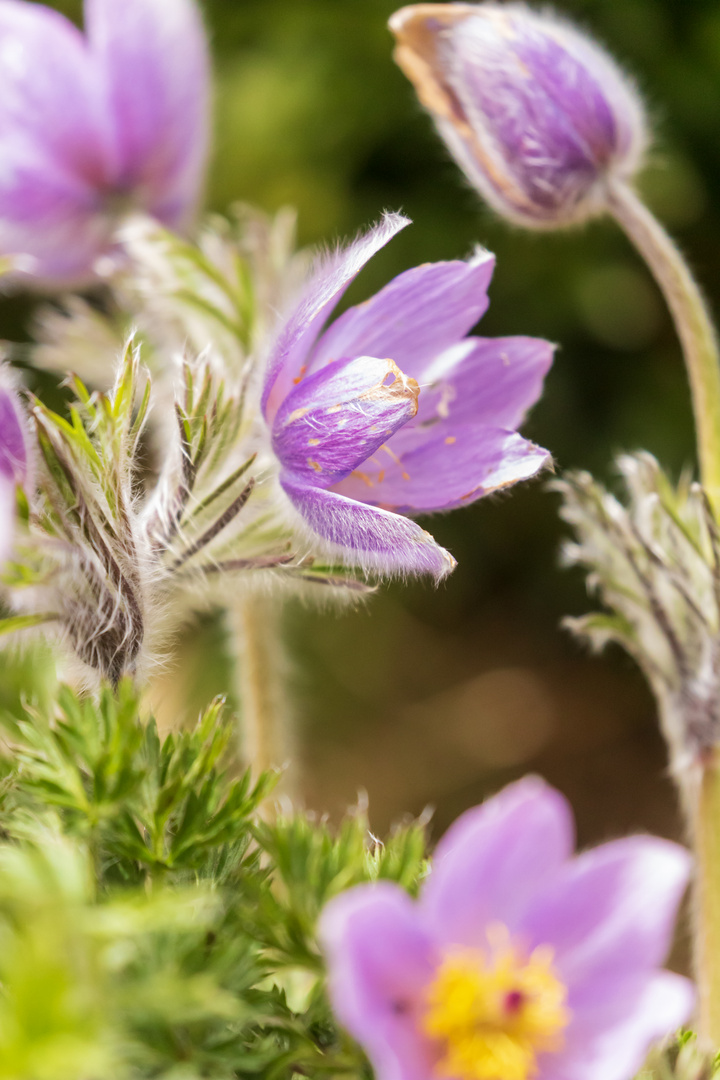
92 125
14 461
394 410
536 114
518 960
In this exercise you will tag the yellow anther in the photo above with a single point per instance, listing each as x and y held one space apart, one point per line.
492 1011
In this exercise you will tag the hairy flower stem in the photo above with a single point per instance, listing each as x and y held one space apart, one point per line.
692 320
700 347
707 899
266 730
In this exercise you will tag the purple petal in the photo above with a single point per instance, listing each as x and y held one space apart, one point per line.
414 318
380 961
617 1050
339 416
7 514
154 59
491 862
547 142
14 464
51 94
54 146
443 466
329 281
485 381
610 913
366 536
51 219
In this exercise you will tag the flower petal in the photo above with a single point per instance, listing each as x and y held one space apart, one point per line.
55 152
491 862
339 416
617 1050
41 51
609 916
443 466
329 281
485 381
366 536
14 464
380 961
418 315
153 55
7 514
49 215
596 913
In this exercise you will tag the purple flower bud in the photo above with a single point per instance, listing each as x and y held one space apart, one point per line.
535 113
93 124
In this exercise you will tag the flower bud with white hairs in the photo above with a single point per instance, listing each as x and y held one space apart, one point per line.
537 115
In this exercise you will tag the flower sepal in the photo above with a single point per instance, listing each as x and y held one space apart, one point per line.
653 558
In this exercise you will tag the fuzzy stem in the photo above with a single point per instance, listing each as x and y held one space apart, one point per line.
707 899
266 730
692 321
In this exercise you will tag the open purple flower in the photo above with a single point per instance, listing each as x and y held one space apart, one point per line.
394 410
93 124
518 960
14 461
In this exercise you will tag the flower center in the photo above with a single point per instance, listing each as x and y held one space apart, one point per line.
493 1011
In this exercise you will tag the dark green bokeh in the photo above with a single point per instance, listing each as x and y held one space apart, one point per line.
400 696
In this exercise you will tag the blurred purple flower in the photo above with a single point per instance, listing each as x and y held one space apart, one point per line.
518 960
14 461
93 124
394 410
536 114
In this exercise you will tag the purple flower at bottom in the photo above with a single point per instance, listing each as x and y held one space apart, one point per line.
518 960
14 461
93 123
394 410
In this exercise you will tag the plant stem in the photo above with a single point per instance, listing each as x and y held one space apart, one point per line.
692 320
266 730
700 348
707 899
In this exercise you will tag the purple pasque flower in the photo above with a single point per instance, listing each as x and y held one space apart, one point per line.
536 114
394 410
518 960
92 124
14 460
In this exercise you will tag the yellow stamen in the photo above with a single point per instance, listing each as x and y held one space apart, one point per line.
492 1011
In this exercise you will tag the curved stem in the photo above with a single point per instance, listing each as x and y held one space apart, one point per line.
700 347
706 835
266 740
692 320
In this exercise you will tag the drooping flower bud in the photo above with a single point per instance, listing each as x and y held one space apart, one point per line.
535 113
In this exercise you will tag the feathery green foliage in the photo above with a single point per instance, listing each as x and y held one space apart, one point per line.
157 914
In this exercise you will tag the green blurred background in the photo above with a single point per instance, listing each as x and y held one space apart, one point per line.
425 696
